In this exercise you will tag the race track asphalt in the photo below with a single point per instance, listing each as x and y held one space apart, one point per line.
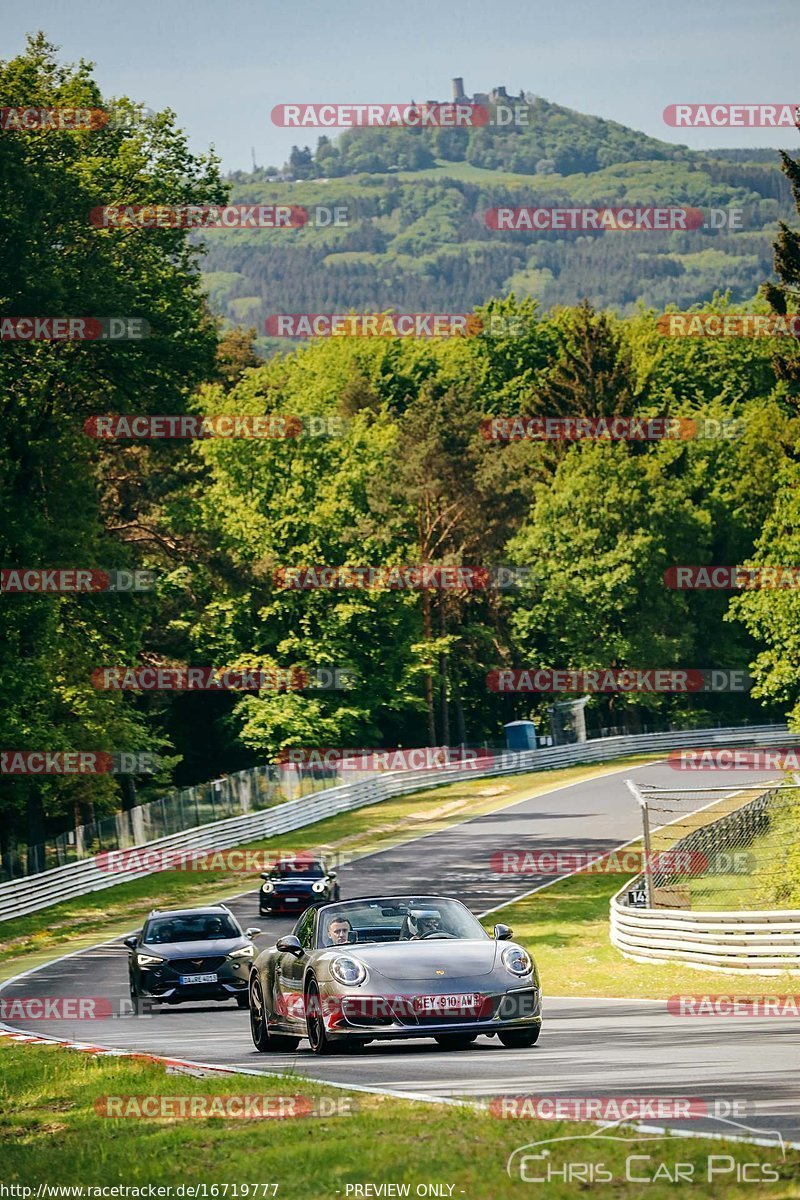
589 1047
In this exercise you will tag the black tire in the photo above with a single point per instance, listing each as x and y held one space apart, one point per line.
318 1039
520 1039
263 1040
136 999
456 1041
243 999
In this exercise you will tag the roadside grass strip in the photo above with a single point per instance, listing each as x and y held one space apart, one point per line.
54 1132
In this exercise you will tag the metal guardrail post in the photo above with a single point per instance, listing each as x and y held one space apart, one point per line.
648 858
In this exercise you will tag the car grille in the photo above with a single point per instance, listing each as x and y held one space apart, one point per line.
194 966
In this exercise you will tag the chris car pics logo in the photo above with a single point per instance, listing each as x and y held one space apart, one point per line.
609 1156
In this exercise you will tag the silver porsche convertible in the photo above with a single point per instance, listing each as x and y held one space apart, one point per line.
393 967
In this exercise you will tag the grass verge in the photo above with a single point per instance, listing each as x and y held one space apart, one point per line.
51 1133
566 927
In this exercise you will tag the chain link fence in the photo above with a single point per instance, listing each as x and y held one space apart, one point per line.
187 808
721 849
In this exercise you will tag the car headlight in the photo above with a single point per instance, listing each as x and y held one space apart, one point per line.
319 886
517 960
268 887
242 952
149 960
348 971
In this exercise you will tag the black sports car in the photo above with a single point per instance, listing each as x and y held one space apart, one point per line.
290 886
190 954
393 967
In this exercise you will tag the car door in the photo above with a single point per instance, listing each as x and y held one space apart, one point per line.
290 970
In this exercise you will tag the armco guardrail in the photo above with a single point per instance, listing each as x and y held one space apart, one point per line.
765 942
34 892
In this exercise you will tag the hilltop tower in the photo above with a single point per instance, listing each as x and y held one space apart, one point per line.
458 89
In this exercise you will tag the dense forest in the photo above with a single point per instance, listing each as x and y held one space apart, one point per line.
403 474
415 235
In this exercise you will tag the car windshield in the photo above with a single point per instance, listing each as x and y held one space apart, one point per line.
288 870
396 919
191 927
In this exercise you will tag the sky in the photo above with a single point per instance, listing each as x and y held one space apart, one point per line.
223 64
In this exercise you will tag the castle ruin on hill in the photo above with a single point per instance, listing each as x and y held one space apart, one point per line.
497 95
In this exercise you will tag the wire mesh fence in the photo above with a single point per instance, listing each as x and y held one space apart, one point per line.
187 808
722 848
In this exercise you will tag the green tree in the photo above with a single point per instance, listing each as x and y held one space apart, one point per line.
70 500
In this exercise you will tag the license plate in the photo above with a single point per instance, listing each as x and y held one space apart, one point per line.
461 1002
292 899
211 977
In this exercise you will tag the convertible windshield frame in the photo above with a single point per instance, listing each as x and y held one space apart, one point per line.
455 919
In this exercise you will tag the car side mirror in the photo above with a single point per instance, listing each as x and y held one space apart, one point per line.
254 931
289 945
332 874
130 942
265 874
502 933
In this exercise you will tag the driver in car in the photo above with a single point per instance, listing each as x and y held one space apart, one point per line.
338 931
423 924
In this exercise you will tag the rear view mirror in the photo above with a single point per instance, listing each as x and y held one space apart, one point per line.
502 933
252 932
130 942
332 874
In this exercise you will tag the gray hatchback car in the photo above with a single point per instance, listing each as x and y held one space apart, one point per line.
190 954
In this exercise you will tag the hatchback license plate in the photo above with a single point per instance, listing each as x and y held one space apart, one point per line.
211 977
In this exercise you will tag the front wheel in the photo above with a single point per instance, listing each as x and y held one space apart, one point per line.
318 1039
520 1039
262 1039
456 1041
